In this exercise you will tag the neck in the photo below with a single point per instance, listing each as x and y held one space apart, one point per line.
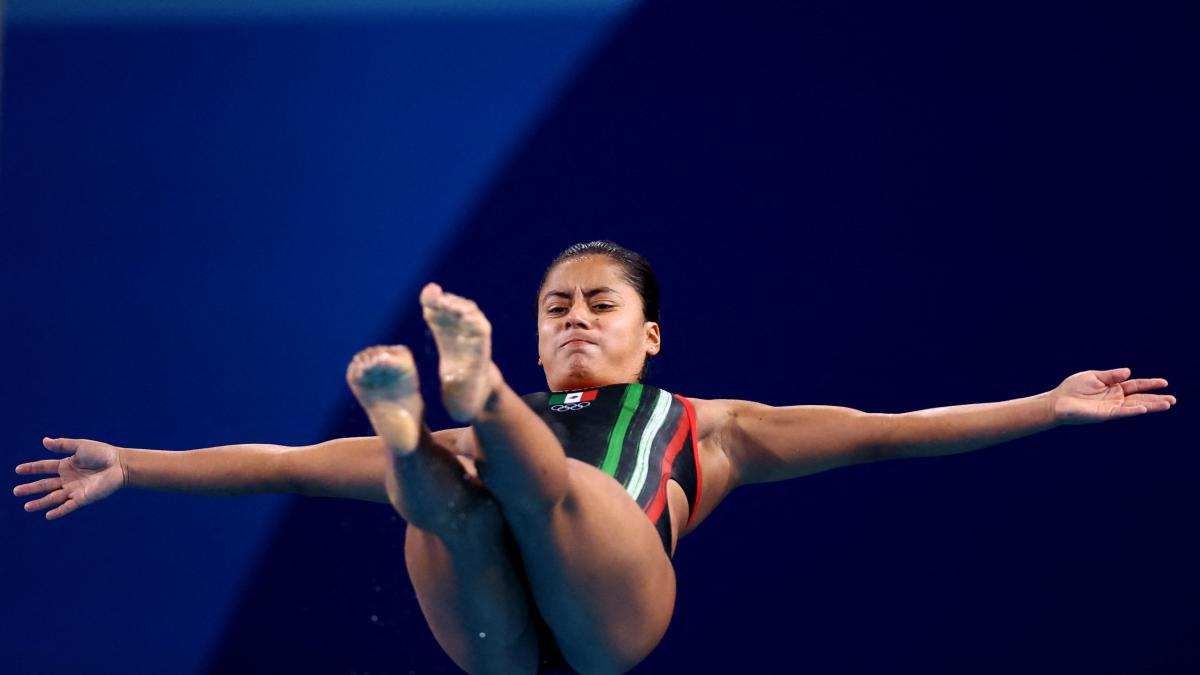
582 383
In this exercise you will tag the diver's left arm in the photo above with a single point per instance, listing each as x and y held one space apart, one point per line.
766 444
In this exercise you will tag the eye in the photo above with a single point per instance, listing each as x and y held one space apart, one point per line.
553 310
603 305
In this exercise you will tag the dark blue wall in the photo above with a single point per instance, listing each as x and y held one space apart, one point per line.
202 224
879 206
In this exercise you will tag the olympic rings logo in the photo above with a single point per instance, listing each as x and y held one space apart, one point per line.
570 406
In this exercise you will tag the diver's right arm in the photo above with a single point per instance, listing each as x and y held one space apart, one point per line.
351 468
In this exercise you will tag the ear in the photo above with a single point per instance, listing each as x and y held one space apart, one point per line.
653 338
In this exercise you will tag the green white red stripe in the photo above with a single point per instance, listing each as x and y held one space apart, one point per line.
655 508
565 397
616 438
662 405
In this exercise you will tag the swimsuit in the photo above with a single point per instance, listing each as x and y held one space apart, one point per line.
642 436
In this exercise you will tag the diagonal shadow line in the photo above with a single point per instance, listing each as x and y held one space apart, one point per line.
348 599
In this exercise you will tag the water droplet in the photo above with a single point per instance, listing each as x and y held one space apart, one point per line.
374 619
483 635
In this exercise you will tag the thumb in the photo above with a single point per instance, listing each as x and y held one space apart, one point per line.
1114 376
60 444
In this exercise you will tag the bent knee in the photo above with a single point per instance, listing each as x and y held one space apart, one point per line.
619 650
602 662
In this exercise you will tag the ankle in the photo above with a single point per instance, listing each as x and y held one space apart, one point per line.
497 388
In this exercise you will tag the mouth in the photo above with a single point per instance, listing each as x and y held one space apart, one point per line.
574 341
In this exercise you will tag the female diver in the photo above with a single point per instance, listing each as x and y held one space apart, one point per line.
543 531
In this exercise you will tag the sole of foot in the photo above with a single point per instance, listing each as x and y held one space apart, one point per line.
384 380
464 341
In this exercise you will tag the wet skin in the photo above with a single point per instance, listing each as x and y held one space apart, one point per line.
501 524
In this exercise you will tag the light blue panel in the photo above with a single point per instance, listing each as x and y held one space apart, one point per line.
200 226
124 11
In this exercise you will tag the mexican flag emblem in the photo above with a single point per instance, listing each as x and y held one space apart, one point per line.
573 397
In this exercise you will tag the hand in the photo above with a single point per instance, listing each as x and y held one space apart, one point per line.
92 472
1099 395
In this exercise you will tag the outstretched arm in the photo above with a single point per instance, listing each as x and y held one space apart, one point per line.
1084 398
351 468
767 443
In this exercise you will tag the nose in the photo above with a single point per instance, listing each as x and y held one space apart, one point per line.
578 314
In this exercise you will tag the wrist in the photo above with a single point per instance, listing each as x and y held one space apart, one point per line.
123 457
1049 403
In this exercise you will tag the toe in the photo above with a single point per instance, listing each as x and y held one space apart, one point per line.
430 293
401 355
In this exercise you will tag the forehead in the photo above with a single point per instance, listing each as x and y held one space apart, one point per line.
587 273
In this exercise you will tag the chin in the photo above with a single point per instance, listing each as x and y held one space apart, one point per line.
579 377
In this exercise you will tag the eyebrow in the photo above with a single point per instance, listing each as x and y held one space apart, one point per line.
587 294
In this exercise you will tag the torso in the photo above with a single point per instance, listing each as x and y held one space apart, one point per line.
713 463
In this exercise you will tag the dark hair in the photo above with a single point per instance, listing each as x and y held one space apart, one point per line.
635 268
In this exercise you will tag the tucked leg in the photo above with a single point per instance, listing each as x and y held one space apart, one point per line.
460 555
473 594
594 563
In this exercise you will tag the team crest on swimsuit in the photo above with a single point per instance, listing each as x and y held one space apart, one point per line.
575 400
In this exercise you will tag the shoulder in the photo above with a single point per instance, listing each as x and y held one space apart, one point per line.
709 415
722 423
716 417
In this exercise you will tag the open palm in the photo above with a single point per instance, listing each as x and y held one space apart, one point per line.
91 473
1098 395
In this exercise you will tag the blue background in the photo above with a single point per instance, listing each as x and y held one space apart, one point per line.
858 204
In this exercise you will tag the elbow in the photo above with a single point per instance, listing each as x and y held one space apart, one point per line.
285 470
880 444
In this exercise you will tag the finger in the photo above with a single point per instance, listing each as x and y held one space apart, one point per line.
1127 411
1113 376
53 499
1153 402
60 444
44 485
40 466
66 507
1144 384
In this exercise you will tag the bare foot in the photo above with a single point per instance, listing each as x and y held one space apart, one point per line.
464 340
384 379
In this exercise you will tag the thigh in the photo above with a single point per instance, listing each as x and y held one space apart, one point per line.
473 594
598 573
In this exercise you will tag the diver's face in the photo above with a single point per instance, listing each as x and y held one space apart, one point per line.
591 330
